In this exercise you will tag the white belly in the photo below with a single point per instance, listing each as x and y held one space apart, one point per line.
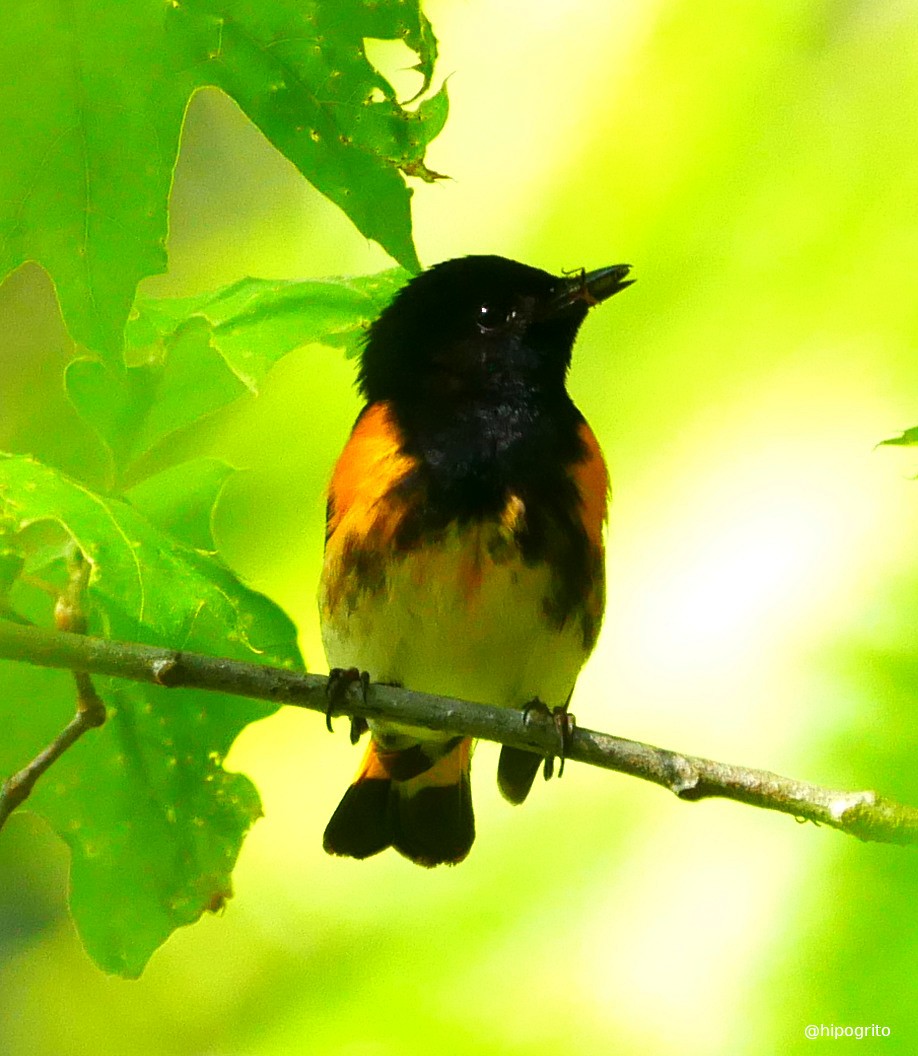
452 620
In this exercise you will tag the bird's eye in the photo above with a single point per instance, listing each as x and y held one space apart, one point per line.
493 316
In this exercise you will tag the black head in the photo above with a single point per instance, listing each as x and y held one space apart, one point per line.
480 329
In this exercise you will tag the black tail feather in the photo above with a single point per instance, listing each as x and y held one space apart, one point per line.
431 825
516 771
361 826
436 825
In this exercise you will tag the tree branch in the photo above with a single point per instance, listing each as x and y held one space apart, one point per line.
863 814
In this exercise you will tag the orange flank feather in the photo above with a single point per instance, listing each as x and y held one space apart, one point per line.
592 479
364 512
371 463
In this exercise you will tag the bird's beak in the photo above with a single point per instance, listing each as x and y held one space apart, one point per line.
589 287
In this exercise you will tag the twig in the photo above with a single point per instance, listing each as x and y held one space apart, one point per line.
863 814
69 615
17 789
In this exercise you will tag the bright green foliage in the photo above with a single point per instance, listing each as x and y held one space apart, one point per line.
188 357
256 321
90 125
181 500
153 821
907 439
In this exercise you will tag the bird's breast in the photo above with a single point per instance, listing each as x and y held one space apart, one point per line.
462 615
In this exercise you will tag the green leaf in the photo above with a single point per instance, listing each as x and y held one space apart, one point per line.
188 357
181 500
300 72
253 322
135 407
907 439
12 559
90 125
90 133
153 821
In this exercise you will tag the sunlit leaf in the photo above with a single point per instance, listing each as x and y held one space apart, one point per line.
180 500
254 322
153 821
90 125
134 407
188 357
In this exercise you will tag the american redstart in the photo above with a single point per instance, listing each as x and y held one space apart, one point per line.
464 547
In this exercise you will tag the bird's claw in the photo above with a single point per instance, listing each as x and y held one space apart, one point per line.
339 681
359 727
564 723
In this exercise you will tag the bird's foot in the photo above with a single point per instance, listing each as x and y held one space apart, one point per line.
339 681
564 723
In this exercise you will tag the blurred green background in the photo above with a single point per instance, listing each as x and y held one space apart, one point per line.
758 165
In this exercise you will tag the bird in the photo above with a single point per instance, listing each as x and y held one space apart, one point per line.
464 551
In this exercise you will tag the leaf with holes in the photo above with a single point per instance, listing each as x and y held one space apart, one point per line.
90 125
153 821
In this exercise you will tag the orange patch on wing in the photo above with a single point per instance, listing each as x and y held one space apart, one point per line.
378 765
373 765
592 479
446 771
